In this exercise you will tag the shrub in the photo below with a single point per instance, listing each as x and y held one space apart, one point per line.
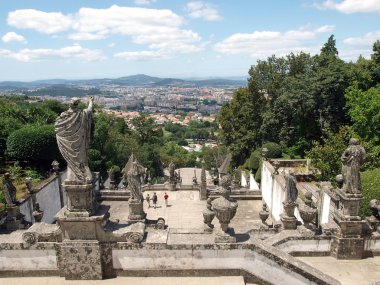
370 189
33 143
258 174
274 150
254 160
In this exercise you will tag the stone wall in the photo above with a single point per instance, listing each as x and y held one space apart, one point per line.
256 261
48 196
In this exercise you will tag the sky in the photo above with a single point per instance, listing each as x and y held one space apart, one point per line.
82 39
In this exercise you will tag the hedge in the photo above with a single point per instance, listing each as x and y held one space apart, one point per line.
33 143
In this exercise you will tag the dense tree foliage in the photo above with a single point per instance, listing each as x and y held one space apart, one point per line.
301 102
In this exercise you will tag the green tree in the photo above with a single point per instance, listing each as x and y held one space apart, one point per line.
326 156
148 131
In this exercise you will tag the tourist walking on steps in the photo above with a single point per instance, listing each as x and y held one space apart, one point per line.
166 196
154 199
148 200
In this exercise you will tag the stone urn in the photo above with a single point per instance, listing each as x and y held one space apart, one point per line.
289 209
208 216
224 208
308 215
264 214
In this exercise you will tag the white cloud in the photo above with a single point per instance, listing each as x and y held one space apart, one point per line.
111 45
157 28
144 2
69 52
366 40
350 6
206 11
13 37
143 55
43 22
261 44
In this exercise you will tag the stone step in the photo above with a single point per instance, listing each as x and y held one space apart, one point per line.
113 198
241 196
222 280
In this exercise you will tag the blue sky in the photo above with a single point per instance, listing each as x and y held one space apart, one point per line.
73 39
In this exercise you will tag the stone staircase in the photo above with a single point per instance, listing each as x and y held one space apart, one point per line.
113 195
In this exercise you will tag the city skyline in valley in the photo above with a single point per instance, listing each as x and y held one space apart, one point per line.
96 39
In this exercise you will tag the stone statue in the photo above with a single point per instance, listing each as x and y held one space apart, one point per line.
73 128
291 192
9 190
135 176
172 179
352 159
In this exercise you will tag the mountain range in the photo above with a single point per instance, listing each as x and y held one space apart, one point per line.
133 80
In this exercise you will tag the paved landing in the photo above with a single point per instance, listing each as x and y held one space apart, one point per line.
225 280
184 210
348 272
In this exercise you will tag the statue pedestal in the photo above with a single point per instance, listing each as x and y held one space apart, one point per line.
81 200
288 219
289 223
13 221
172 187
348 243
136 211
83 228
81 252
225 236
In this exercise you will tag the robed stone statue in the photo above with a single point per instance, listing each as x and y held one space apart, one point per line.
291 191
9 190
135 177
73 129
352 159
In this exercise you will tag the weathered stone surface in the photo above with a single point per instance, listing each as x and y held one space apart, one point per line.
82 260
225 236
136 211
83 228
42 232
347 248
81 199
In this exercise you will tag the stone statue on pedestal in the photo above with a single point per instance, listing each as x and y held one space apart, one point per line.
352 159
73 129
9 190
135 176
291 192
172 173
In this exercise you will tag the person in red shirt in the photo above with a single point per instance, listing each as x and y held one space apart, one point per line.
166 197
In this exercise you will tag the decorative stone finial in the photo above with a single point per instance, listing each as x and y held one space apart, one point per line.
264 153
29 184
55 166
276 166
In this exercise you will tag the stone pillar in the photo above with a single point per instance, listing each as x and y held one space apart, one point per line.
203 189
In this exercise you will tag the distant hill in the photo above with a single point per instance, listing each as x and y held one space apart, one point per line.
133 80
